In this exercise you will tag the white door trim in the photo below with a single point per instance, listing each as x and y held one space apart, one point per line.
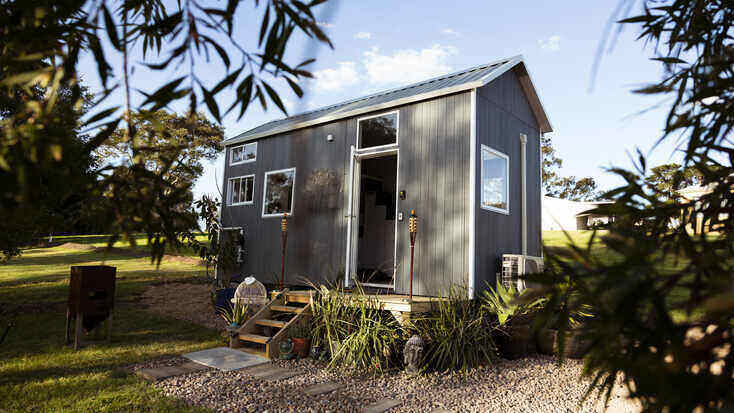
356 156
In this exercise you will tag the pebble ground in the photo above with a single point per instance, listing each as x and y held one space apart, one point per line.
534 384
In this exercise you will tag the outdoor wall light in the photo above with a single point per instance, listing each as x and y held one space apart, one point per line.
329 138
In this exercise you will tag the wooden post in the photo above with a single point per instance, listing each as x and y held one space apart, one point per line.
78 331
413 228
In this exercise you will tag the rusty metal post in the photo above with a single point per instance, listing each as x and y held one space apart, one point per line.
284 231
413 228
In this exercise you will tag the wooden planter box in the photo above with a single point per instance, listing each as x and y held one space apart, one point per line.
516 341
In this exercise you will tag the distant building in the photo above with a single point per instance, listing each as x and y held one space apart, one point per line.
694 193
566 215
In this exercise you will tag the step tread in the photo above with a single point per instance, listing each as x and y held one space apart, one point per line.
286 308
255 338
270 323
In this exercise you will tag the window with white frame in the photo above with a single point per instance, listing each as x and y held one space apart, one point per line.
278 192
243 153
495 183
378 130
241 190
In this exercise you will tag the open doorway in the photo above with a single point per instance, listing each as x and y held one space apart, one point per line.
375 261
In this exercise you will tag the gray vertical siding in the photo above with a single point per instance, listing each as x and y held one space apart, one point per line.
432 169
503 113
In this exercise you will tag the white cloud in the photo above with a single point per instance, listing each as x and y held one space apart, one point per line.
451 32
552 43
335 79
325 24
363 36
409 65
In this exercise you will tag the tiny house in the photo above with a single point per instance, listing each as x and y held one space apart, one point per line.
461 150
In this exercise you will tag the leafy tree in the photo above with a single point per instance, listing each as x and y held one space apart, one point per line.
569 187
171 145
669 178
41 46
57 192
663 310
557 186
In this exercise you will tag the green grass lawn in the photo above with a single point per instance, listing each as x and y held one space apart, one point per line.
38 373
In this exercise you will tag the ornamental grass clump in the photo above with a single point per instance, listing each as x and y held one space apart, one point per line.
458 333
357 334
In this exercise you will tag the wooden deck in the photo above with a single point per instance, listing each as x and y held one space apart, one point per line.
389 302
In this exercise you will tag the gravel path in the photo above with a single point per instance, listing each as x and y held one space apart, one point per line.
533 384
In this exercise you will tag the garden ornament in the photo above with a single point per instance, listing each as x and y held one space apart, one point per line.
413 354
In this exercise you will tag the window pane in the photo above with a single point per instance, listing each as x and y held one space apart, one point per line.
247 193
278 193
235 196
494 180
250 151
377 131
236 155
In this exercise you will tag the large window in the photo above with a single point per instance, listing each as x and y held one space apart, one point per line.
278 193
243 153
495 180
241 190
378 130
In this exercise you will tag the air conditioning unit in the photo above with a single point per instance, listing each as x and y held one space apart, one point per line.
514 265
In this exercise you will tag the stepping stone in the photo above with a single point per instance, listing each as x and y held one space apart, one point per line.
225 358
322 388
190 367
159 373
282 375
441 410
270 370
382 405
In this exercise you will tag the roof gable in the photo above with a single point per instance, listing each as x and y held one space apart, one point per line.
443 85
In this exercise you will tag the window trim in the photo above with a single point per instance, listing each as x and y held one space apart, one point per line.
507 181
229 190
231 150
293 192
397 130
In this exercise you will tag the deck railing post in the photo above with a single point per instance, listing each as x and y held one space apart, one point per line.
413 228
284 231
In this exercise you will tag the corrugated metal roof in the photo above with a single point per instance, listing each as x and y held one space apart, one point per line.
442 85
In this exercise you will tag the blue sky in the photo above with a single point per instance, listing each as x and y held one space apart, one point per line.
383 44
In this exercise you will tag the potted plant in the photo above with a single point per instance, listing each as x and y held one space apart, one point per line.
235 316
514 335
574 343
301 336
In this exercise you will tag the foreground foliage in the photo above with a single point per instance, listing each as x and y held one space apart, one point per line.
667 331
41 47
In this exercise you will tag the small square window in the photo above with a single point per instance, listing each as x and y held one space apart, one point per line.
243 153
278 192
495 180
241 190
378 130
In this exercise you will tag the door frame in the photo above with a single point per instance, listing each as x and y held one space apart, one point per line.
355 164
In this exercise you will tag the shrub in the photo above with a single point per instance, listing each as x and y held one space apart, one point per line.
358 334
236 314
458 334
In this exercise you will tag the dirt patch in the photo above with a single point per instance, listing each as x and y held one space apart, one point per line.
77 247
183 301
184 260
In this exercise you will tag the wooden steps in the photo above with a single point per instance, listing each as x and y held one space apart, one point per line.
286 309
269 326
255 338
270 323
